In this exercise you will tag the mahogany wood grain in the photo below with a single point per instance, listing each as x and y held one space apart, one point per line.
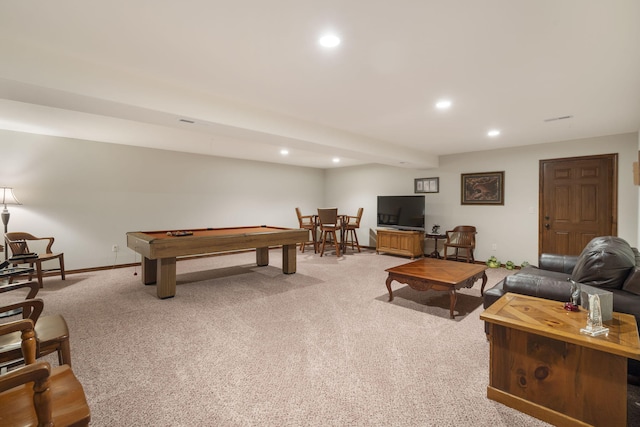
542 365
439 275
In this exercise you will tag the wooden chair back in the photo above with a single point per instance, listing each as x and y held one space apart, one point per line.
52 332
305 221
328 217
17 241
36 394
461 237
354 221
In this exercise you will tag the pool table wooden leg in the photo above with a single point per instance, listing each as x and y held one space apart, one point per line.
166 285
262 256
289 259
149 271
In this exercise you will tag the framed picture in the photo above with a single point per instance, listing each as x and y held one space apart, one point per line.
486 188
426 185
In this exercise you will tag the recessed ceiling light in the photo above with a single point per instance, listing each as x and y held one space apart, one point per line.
336 160
493 132
329 40
443 104
284 152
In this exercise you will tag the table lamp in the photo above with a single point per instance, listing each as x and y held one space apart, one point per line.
7 198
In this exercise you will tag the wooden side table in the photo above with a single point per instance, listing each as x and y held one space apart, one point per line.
435 237
541 364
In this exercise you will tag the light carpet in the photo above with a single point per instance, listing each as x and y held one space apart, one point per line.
242 345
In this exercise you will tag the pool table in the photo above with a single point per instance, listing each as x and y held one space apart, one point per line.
159 249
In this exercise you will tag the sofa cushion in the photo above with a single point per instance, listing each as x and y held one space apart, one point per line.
538 286
632 284
605 262
535 271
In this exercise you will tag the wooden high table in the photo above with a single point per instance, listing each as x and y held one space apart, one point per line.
160 249
541 364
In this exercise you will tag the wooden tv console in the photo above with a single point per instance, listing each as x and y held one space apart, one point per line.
400 242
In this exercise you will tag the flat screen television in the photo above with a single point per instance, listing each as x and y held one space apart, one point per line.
401 212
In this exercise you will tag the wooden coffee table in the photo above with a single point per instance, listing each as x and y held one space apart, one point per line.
541 364
439 275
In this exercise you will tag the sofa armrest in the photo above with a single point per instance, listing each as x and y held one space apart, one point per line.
538 286
560 263
492 295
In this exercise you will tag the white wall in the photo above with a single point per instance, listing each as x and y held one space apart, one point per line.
88 195
513 228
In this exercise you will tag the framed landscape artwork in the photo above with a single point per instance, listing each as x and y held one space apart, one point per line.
426 185
485 188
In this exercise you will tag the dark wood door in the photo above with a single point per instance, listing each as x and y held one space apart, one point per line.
578 201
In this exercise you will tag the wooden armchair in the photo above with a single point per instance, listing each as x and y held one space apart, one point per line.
52 333
462 237
37 394
352 223
18 243
308 222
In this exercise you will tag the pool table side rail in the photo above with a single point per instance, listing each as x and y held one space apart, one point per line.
155 248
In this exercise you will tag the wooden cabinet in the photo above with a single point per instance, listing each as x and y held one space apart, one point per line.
399 242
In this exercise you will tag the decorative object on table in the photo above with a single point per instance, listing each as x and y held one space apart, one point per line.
594 318
7 198
509 265
575 295
486 188
435 229
605 297
493 262
426 185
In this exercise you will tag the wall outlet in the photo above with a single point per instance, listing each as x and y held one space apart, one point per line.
115 248
494 247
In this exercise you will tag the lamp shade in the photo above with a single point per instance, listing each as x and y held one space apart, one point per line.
7 197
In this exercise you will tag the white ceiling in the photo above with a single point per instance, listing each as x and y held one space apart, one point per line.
253 78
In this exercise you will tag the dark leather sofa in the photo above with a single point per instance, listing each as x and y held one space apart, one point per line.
606 262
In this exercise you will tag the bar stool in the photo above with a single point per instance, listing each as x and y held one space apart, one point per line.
352 223
329 225
308 222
